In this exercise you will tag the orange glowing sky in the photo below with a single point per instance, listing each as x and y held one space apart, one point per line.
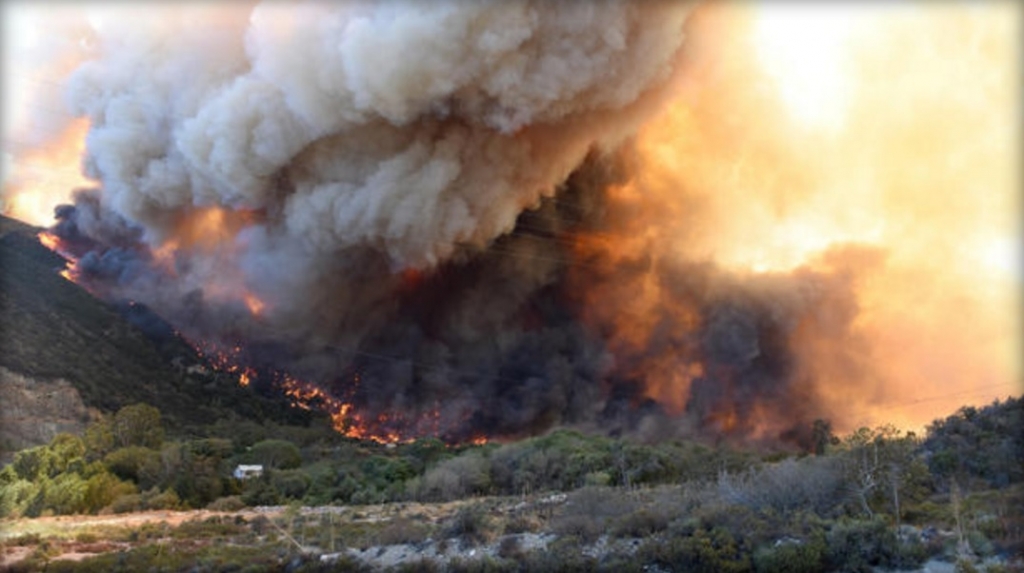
896 128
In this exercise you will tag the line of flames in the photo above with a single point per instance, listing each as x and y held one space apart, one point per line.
300 393
344 417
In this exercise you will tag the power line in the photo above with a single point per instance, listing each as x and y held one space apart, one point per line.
963 393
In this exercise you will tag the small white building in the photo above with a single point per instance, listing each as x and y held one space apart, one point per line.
247 472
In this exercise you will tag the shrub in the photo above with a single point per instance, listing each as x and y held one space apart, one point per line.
965 566
483 564
229 503
454 478
260 492
102 489
419 566
403 530
588 512
928 512
368 496
277 454
791 557
291 484
127 503
470 524
260 525
87 537
509 547
621 563
703 552
135 463
641 523
979 543
755 525
859 545
156 499
212 527
814 483
425 452
522 523
581 527
213 447
564 555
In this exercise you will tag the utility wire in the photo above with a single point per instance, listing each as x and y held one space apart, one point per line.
972 392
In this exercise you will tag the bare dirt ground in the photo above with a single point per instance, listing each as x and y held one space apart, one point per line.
61 531
75 537
71 523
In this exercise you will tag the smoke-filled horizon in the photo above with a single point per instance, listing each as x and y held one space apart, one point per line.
502 217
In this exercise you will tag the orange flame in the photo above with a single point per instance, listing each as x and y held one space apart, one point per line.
49 240
255 305
213 233
209 229
53 242
383 429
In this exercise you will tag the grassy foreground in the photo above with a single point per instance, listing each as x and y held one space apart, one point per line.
689 527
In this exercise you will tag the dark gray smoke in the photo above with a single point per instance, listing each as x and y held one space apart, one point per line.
408 189
497 343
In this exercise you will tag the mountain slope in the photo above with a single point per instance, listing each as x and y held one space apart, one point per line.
54 329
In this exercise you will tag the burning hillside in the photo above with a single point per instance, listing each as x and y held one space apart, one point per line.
490 219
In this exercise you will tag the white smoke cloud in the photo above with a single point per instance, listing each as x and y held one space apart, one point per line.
406 127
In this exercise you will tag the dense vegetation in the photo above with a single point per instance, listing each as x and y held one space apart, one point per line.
875 498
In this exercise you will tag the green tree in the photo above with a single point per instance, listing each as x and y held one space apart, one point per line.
15 492
200 480
99 439
291 484
58 478
277 454
215 447
984 443
65 452
137 425
102 489
29 464
135 463
882 465
261 492
822 437
454 478
66 494
425 452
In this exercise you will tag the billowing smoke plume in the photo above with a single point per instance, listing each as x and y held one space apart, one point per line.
300 150
411 130
314 157
490 217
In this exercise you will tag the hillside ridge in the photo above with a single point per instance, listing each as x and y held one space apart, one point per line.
53 329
